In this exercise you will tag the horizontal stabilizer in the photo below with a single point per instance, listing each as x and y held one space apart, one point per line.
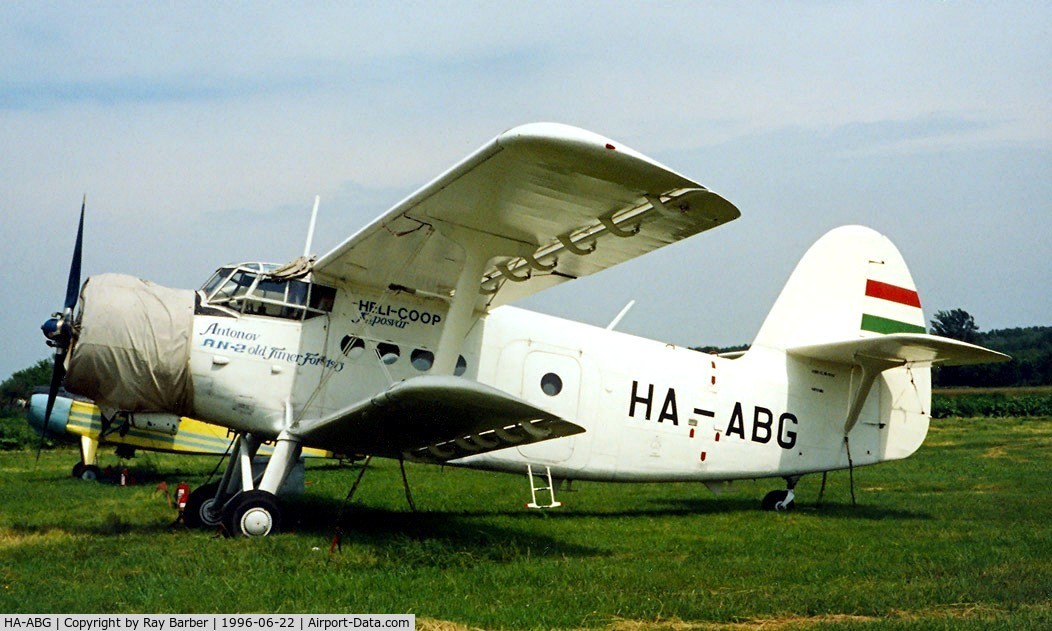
434 419
898 349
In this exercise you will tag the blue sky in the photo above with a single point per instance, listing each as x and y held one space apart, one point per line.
201 135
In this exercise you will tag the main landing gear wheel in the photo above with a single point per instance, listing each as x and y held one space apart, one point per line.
776 501
252 514
201 510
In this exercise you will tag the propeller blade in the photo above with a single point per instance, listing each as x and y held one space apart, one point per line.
58 372
60 331
73 286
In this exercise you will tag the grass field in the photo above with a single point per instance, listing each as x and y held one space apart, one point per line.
959 536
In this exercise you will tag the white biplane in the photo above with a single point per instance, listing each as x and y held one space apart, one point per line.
401 343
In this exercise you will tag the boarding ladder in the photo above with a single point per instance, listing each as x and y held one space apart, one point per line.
545 477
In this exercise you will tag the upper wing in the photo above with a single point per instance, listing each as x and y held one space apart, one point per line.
434 419
558 202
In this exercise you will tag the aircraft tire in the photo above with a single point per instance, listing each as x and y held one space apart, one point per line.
90 473
77 469
771 500
202 498
252 514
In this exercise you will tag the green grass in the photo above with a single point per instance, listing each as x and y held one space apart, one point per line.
959 536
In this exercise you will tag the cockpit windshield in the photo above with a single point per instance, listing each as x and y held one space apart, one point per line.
249 288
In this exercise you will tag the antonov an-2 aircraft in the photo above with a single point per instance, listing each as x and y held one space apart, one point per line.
401 341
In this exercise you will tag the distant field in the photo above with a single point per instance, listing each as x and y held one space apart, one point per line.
959 536
1033 402
1010 392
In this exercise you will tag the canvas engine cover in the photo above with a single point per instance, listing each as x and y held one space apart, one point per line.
131 346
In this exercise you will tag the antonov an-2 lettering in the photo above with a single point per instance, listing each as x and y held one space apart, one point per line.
762 430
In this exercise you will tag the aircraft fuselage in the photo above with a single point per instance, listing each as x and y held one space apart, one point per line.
652 411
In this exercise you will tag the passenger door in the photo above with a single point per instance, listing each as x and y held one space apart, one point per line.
553 382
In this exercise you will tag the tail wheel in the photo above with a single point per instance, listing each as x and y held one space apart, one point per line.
201 510
252 514
775 501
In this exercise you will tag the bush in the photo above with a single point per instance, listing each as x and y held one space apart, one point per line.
995 405
15 432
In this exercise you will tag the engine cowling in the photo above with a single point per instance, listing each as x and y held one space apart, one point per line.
131 346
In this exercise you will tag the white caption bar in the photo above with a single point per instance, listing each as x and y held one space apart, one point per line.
205 622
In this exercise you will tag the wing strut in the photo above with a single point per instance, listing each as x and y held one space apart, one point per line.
859 396
479 249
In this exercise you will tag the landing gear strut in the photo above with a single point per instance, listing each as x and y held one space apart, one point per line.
782 500
87 468
237 502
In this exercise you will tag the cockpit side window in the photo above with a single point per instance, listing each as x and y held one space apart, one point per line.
235 288
298 292
322 298
217 279
268 298
250 290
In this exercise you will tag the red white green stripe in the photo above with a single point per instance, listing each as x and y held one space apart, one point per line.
891 293
886 291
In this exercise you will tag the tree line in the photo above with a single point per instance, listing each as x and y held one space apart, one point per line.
1029 347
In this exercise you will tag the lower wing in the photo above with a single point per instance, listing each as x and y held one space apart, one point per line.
434 419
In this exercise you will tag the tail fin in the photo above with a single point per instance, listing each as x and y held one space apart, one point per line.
851 301
851 284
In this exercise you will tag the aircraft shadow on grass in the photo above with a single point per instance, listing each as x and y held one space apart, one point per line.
444 537
833 509
443 531
421 538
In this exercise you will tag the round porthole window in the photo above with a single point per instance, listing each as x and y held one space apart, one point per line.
422 359
388 353
551 384
461 367
352 346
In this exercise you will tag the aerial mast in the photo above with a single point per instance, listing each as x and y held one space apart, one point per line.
310 228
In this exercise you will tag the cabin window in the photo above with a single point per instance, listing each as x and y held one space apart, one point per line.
388 353
461 367
551 384
422 359
352 347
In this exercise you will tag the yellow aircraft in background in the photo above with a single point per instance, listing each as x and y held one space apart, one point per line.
179 435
